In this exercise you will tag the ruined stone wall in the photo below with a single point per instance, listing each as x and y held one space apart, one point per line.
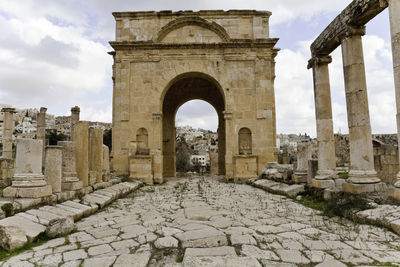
386 162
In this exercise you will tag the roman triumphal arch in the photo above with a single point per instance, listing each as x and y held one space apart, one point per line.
164 59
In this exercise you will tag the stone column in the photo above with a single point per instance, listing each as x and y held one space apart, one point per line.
323 114
8 128
80 136
394 17
304 154
362 175
41 131
28 180
106 163
52 171
75 111
70 181
95 155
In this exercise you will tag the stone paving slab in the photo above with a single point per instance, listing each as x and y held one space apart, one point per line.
260 229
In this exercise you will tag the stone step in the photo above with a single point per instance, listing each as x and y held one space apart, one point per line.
77 213
57 211
102 201
30 217
44 216
87 210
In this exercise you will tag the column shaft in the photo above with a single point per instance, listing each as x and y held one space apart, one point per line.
361 153
41 132
394 17
8 128
323 115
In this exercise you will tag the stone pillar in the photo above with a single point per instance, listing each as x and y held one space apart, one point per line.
80 136
28 180
95 155
8 129
41 131
75 111
304 154
53 169
70 181
106 163
323 115
362 175
394 17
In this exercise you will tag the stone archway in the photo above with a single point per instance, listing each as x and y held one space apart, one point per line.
185 87
164 59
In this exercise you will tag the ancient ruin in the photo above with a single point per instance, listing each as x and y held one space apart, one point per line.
283 209
163 59
346 31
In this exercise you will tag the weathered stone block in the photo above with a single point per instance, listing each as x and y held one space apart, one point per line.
363 188
12 237
322 183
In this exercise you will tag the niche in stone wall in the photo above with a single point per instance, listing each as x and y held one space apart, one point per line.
142 140
245 141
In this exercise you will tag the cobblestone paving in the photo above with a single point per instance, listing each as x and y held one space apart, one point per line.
205 222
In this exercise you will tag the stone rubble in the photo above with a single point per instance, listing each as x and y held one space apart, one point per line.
248 227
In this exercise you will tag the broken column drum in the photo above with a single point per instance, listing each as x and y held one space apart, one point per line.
70 181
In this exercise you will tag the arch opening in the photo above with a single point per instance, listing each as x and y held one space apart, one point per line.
181 90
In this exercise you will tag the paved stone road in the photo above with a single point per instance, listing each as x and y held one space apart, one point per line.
204 222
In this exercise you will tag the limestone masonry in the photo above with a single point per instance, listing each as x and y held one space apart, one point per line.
163 59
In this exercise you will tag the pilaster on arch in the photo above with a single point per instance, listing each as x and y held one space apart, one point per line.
192 21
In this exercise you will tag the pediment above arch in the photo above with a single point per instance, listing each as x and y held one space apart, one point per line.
192 30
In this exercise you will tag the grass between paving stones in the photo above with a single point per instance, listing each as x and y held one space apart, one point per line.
4 254
343 175
313 202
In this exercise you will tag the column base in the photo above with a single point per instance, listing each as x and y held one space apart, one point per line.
323 184
354 188
394 193
300 177
27 192
28 180
397 183
72 186
326 175
106 176
363 177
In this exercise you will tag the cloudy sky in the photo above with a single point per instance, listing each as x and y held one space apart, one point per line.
53 53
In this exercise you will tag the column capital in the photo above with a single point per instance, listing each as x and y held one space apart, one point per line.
319 60
75 109
8 110
43 110
349 31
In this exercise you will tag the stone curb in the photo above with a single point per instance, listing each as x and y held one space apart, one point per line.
387 216
277 188
22 204
17 230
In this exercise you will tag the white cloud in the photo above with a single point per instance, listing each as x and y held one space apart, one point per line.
53 53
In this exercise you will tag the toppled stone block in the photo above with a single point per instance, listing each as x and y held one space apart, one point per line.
12 237
60 226
279 172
